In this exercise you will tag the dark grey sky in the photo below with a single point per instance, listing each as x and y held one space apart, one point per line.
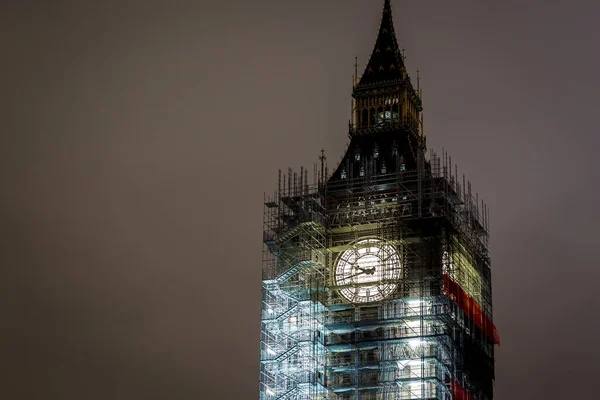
138 138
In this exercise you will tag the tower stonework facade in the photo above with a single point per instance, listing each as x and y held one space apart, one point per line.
376 277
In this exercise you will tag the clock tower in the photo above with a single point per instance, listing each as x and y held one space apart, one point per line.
376 278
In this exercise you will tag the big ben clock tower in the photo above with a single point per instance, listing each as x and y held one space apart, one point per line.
377 279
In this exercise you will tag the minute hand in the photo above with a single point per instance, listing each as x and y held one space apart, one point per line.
357 274
363 271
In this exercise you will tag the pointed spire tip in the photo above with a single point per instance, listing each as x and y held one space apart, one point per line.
386 61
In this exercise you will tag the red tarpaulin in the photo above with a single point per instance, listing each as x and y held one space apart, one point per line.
470 308
459 392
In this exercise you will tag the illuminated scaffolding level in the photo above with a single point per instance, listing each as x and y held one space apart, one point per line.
376 278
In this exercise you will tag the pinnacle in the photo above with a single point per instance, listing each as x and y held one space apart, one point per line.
386 62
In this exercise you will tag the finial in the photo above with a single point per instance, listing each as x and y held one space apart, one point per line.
322 173
322 157
355 69
403 56
418 80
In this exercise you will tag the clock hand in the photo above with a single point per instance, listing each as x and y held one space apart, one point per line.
369 271
352 276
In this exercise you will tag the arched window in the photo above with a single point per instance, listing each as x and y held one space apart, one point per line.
376 152
343 173
365 118
395 112
362 170
356 155
373 117
383 168
380 116
387 114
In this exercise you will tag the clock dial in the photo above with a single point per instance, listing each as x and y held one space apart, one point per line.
368 271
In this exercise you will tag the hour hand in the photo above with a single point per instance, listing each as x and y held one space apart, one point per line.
369 271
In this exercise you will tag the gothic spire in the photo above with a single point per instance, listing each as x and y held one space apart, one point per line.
386 62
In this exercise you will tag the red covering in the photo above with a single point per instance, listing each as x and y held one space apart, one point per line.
459 392
470 308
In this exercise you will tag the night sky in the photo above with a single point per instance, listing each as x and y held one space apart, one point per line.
138 138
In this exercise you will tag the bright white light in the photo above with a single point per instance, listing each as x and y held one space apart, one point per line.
293 320
417 389
270 310
413 324
415 343
270 392
409 363
414 303
271 352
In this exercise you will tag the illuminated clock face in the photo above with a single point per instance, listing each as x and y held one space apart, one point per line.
368 271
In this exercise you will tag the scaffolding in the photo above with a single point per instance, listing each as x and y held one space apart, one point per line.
430 337
377 280
433 337
292 342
